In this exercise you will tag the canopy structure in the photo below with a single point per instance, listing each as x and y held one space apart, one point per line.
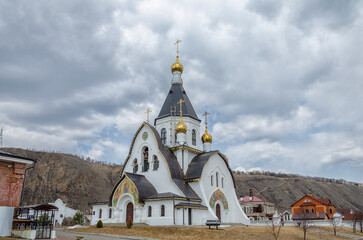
38 217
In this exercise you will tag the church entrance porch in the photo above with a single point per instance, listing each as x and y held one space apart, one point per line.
130 211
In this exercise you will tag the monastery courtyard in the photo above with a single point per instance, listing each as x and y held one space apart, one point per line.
201 232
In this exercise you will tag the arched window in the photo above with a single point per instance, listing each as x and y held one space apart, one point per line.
145 155
110 213
155 162
162 211
100 213
222 181
331 211
211 180
163 136
307 210
312 210
194 137
217 179
149 211
135 166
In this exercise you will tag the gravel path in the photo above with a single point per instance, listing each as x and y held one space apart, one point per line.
67 235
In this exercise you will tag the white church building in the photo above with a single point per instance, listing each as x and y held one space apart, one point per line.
166 179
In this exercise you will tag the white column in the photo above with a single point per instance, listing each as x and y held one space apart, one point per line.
207 147
180 138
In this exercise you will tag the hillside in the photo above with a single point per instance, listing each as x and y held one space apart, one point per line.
284 191
68 177
78 182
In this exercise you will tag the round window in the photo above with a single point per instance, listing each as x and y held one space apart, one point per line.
145 135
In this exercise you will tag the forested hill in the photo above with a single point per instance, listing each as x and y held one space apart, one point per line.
78 181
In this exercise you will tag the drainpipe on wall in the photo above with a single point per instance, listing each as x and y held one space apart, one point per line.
174 210
183 160
22 189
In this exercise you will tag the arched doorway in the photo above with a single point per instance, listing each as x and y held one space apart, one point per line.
130 211
218 211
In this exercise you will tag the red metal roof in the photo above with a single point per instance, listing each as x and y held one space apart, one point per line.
325 201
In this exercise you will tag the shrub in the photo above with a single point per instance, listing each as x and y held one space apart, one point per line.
129 223
44 219
99 224
68 221
78 218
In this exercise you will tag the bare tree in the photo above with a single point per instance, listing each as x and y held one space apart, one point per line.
304 223
274 229
336 223
355 221
359 220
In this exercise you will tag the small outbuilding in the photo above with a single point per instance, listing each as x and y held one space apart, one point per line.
257 208
12 171
39 220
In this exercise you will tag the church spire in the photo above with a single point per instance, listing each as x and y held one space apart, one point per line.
177 67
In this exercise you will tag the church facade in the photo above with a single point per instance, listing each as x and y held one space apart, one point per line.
166 179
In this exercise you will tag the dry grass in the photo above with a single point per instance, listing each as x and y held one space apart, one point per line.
234 232
343 230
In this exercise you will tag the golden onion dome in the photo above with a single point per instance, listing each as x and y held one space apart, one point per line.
207 138
181 127
177 66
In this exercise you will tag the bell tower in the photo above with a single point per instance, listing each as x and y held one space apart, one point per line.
167 120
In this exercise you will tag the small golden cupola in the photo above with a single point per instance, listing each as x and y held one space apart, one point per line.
177 66
181 127
207 138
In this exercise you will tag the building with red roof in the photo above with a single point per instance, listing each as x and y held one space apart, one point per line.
312 208
257 208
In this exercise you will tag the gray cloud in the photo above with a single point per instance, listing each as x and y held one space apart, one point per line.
281 79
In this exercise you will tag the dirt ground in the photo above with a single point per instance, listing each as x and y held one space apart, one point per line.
234 232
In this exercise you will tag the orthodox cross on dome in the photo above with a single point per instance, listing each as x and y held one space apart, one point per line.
205 115
181 107
147 113
177 47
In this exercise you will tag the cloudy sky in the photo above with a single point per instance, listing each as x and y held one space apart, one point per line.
283 80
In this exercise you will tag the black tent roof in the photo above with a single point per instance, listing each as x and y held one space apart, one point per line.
196 166
164 195
176 93
145 188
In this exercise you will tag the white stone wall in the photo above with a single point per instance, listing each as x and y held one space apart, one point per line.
63 211
6 220
160 178
104 216
184 157
234 213
199 216
156 219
